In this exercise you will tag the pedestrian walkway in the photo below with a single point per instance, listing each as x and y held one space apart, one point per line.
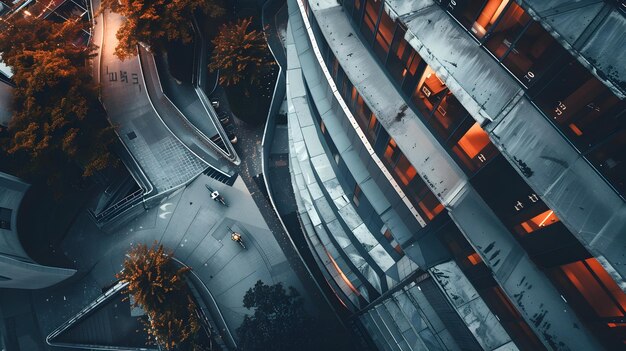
197 230
165 161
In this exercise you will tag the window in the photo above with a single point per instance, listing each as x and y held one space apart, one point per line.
474 259
581 106
546 240
384 36
372 9
597 287
591 117
482 279
388 235
404 171
358 8
596 298
538 222
472 145
363 112
392 152
5 218
429 92
403 63
476 15
501 38
510 34
399 250
447 116
532 54
427 204
356 196
372 127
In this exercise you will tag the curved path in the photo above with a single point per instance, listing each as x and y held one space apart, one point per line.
197 230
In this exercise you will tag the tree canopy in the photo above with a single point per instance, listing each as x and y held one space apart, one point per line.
240 53
156 22
57 121
279 322
158 287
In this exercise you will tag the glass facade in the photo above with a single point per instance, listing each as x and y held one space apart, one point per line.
393 158
592 293
482 279
425 92
583 109
590 116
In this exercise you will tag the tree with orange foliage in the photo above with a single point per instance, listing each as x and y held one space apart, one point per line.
57 120
240 54
159 288
156 22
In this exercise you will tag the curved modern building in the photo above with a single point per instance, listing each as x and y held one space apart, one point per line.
17 269
459 167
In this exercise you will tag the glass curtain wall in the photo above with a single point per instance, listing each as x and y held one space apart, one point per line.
588 114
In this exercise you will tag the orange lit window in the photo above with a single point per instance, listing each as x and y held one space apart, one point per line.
399 250
474 259
386 27
474 141
575 129
372 124
430 212
391 149
353 95
607 280
488 16
404 170
540 221
401 47
597 287
388 235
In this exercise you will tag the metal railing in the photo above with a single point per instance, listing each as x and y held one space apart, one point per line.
117 288
120 206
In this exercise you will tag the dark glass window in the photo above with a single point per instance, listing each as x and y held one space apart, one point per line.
533 53
368 27
418 192
448 115
472 145
5 218
427 204
358 10
384 36
534 225
372 128
392 153
400 58
501 38
363 113
583 108
598 300
404 171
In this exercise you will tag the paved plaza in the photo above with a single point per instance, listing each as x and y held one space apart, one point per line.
197 230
